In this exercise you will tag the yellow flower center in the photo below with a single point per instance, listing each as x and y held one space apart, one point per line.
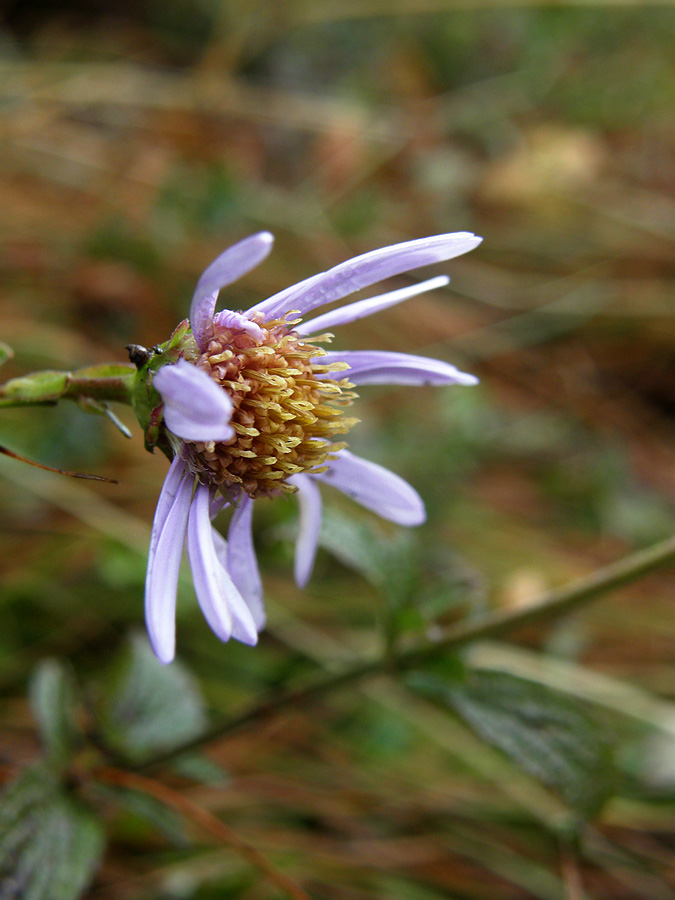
286 411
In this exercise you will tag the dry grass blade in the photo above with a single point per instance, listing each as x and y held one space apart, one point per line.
205 821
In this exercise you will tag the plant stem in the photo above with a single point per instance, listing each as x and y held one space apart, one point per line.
110 389
110 382
553 603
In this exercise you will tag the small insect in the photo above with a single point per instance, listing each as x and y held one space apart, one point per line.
140 356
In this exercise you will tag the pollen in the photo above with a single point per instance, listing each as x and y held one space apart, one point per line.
288 408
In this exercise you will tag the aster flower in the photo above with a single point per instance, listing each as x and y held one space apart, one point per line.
250 405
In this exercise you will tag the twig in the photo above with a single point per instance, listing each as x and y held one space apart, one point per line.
204 820
550 605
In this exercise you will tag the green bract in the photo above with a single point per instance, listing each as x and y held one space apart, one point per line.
145 399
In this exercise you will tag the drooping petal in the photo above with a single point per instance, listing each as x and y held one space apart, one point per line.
376 488
166 549
244 623
195 408
217 595
241 562
307 540
382 367
167 496
227 268
362 271
362 308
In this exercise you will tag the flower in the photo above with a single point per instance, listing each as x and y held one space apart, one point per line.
250 406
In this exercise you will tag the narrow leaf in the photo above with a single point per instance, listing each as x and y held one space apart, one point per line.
139 809
40 387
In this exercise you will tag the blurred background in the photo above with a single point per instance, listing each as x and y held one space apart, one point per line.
141 139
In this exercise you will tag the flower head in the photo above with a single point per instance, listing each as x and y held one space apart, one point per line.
249 405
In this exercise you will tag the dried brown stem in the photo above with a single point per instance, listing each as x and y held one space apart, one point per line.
205 821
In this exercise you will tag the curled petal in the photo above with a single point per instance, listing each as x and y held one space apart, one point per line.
195 408
382 367
362 271
228 267
166 549
237 322
362 308
376 488
218 598
310 524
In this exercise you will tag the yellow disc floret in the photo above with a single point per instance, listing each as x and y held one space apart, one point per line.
288 408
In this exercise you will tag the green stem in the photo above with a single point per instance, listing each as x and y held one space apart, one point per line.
550 605
96 384
103 390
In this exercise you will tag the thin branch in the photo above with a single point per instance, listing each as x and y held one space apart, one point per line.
550 605
204 820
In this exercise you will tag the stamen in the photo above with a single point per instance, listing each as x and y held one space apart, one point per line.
286 410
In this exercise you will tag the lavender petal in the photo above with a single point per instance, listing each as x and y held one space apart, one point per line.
227 268
166 550
376 488
241 561
362 308
167 495
307 540
217 595
382 367
195 408
362 271
244 626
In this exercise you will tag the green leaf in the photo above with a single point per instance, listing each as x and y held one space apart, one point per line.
200 768
140 812
40 387
545 733
385 560
150 708
53 697
6 352
50 845
105 370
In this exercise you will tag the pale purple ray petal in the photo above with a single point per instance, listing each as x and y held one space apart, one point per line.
241 561
245 625
228 267
167 496
362 308
307 540
195 408
362 271
217 595
382 367
218 504
166 549
376 488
